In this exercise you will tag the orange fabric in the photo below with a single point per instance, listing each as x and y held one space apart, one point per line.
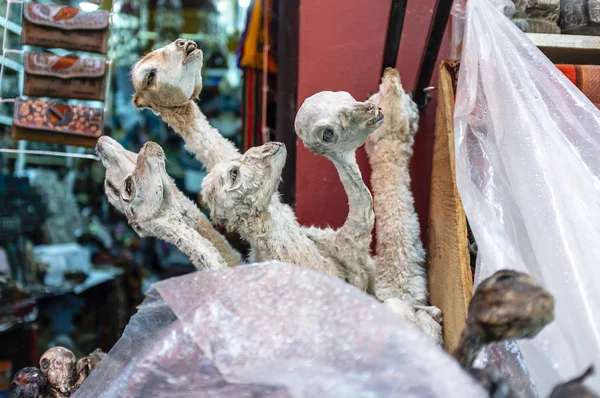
569 71
586 78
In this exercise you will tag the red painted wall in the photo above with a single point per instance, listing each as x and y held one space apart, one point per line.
341 49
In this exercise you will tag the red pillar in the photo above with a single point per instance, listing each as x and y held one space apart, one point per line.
341 49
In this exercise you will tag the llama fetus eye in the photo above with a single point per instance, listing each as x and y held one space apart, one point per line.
505 277
150 78
328 135
128 190
233 175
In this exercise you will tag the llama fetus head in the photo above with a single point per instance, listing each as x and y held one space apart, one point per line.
118 162
510 305
240 188
330 122
144 192
169 77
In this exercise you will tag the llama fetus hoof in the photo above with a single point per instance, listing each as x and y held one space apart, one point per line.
432 310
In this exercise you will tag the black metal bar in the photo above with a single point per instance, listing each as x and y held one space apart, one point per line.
287 92
437 28
394 34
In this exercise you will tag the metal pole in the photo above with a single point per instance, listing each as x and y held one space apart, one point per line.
287 92
437 28
394 34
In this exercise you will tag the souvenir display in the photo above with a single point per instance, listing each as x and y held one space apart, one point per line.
49 75
54 26
580 17
48 121
252 258
537 16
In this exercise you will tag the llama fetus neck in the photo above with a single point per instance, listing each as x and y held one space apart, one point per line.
201 139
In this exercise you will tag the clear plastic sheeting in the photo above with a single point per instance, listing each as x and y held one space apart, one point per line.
271 330
527 167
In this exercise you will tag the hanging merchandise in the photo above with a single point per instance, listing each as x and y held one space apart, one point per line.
251 60
49 75
527 168
54 26
51 122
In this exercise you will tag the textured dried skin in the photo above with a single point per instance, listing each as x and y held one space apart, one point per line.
400 260
239 194
334 124
149 204
575 388
120 162
508 305
85 366
58 365
28 383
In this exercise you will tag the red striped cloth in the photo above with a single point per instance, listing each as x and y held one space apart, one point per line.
586 78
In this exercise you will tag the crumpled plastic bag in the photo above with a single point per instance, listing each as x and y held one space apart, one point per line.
271 330
527 166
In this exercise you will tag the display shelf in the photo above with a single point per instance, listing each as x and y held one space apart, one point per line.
568 49
10 26
39 160
6 120
12 64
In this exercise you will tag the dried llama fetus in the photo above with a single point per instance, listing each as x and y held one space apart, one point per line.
120 162
334 124
85 365
400 257
400 261
150 207
167 81
239 194
29 383
58 365
508 305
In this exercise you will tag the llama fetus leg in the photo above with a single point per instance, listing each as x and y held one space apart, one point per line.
400 257
200 250
420 319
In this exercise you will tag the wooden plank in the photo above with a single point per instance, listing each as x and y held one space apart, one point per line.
568 49
450 280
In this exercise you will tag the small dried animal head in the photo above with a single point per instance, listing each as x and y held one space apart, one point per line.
510 305
329 122
145 191
168 77
244 187
28 383
118 162
58 365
